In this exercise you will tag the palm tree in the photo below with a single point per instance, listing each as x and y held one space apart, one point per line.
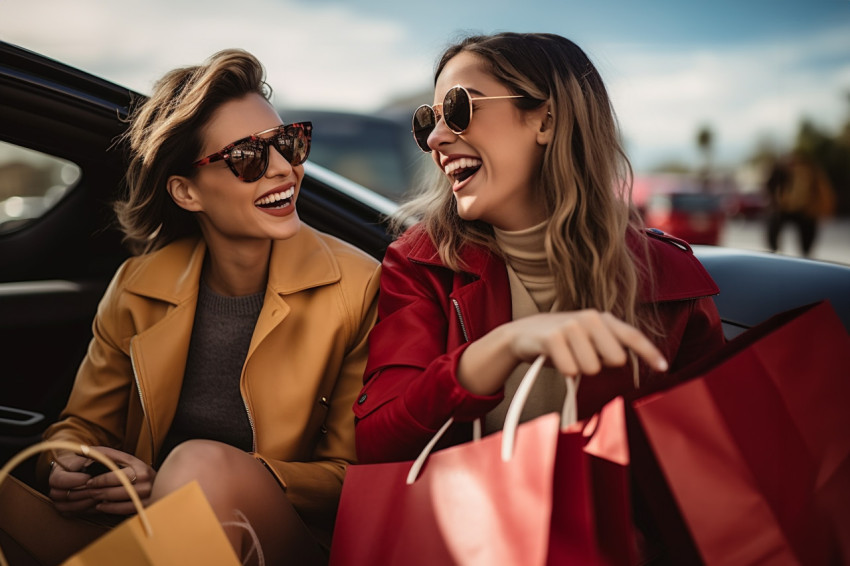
705 143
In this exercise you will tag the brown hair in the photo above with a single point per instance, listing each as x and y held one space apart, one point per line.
584 182
165 137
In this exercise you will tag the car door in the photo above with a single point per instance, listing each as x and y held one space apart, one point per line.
59 171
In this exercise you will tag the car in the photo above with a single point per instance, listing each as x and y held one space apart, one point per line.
678 205
371 150
697 218
58 126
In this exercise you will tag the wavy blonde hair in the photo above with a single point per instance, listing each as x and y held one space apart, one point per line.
165 137
584 182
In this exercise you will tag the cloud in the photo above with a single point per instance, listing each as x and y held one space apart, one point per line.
326 54
744 93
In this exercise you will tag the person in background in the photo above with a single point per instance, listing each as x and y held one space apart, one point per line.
231 348
525 245
799 193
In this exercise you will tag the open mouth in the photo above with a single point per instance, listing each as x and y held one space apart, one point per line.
462 169
276 200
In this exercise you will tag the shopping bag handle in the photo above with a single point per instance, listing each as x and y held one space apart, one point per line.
569 412
569 415
88 452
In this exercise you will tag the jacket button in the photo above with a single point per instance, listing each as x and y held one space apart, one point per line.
324 430
323 401
362 399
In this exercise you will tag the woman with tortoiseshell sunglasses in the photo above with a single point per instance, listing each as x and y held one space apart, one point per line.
231 348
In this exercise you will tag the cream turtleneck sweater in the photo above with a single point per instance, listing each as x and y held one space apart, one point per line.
525 255
532 291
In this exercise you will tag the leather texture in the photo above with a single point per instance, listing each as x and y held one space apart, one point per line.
428 314
301 376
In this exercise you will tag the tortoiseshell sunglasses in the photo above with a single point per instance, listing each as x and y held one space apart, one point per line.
248 158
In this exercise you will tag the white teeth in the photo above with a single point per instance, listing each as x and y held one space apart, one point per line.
462 163
275 197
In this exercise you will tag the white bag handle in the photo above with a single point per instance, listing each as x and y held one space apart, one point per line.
88 452
569 415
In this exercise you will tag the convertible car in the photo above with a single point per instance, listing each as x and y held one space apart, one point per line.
59 170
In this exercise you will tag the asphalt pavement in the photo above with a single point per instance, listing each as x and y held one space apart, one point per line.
832 243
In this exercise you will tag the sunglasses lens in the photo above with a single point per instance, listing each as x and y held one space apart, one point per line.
424 121
456 110
293 143
250 160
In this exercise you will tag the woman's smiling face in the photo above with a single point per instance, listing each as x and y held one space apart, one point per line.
494 164
236 210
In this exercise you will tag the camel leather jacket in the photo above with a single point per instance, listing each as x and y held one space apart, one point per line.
302 374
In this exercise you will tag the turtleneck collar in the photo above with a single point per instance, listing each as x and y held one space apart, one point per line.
525 253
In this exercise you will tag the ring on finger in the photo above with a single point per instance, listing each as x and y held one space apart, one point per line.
69 494
135 477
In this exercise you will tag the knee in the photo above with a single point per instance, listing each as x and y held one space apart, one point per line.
206 461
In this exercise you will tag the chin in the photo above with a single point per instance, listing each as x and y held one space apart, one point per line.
466 211
287 229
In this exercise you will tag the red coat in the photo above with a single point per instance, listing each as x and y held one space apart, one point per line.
429 314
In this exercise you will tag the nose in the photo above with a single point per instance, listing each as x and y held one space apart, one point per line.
278 164
440 135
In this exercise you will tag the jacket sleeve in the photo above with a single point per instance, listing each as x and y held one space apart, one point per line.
410 384
314 486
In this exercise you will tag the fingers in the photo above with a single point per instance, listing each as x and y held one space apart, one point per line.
637 342
119 507
108 491
582 342
74 491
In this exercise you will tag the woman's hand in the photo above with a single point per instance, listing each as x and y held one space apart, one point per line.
76 491
576 343
68 484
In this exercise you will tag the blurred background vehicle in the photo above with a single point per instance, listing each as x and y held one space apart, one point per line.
684 205
371 150
697 218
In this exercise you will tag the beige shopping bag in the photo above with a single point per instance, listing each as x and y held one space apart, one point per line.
178 529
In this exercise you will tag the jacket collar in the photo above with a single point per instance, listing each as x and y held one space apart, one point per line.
475 260
172 274
678 274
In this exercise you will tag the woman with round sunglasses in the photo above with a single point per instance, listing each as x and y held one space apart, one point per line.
525 245
231 348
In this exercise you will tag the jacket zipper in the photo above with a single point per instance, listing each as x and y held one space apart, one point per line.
250 422
460 320
141 399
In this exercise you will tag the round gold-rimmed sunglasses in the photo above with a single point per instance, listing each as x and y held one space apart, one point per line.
456 110
248 158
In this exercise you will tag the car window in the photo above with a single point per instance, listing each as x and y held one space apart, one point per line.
31 183
696 202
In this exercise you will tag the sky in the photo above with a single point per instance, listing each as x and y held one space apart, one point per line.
750 70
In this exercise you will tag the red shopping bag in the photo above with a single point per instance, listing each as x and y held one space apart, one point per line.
754 447
527 495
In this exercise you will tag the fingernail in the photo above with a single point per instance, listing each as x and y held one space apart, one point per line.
662 365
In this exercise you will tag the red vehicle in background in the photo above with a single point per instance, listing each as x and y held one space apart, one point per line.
679 206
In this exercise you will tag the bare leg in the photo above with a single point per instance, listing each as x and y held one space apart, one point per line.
234 480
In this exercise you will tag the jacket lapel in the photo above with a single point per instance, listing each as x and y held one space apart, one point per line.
478 292
159 352
297 264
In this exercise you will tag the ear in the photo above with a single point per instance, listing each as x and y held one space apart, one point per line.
546 131
184 193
